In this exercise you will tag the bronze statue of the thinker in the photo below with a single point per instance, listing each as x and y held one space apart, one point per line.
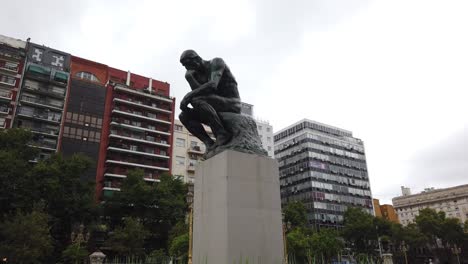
215 102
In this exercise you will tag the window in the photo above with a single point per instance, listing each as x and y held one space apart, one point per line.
178 128
260 127
180 160
193 144
268 139
87 76
180 142
7 79
268 129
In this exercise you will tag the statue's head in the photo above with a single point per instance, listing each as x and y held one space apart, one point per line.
191 60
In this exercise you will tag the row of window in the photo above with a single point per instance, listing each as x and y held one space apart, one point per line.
43 87
329 159
325 177
7 80
83 119
40 113
318 127
145 101
33 98
8 65
142 124
322 139
142 113
140 135
82 134
139 148
180 142
327 186
311 145
43 127
321 166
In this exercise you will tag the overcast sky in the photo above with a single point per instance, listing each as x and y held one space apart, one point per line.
393 72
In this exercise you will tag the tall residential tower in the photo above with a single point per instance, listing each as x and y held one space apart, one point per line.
325 168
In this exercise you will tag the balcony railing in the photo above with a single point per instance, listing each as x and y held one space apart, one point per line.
4 109
40 102
43 131
6 95
46 145
122 176
141 104
141 115
119 124
115 134
45 91
122 88
139 165
138 151
196 150
8 66
41 116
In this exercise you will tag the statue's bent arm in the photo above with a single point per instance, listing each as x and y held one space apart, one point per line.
217 69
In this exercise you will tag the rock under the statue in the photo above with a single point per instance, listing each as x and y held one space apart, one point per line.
245 137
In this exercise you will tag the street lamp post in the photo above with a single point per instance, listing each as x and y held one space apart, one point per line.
190 204
456 251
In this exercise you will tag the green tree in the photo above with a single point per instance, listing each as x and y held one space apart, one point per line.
179 246
75 253
26 237
452 231
295 214
466 226
159 207
359 230
430 223
68 199
326 244
298 242
17 184
129 239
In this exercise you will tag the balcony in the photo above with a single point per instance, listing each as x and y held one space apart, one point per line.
6 96
121 176
122 148
154 119
111 189
2 123
114 134
7 66
40 102
45 145
11 56
191 168
139 165
138 128
43 131
5 110
141 105
45 91
123 88
196 150
54 119
41 73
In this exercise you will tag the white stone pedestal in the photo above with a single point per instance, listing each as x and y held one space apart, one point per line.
237 210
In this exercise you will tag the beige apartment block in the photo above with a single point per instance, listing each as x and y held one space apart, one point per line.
187 152
453 201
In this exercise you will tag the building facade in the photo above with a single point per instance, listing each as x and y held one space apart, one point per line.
325 168
138 122
12 58
73 105
42 97
187 152
385 211
453 201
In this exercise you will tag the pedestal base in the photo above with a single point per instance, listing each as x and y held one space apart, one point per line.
237 210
